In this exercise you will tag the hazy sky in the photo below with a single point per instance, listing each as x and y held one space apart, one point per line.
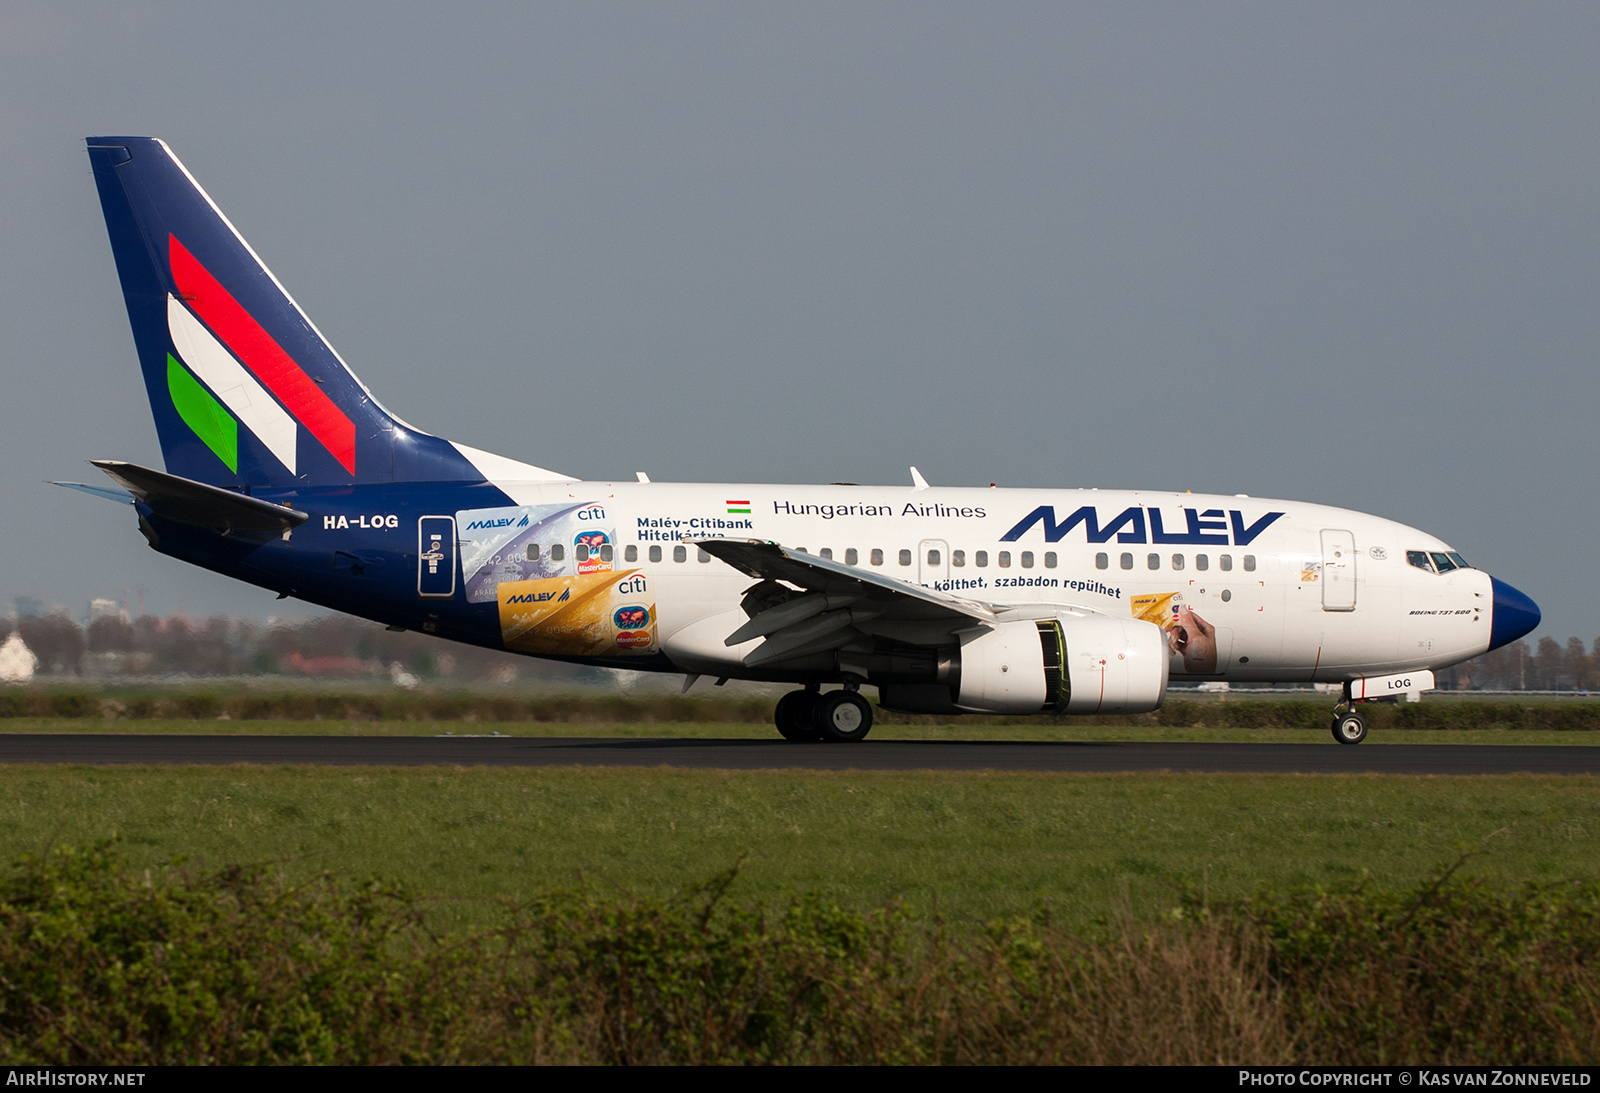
1337 252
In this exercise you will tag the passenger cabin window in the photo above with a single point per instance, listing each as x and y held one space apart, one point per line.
933 557
1177 561
1202 562
1249 563
980 558
630 553
958 558
1127 561
606 553
581 552
533 552
1027 559
655 553
1153 561
826 552
1225 562
850 556
1005 559
1102 561
701 556
877 557
557 552
680 553
905 557
1049 559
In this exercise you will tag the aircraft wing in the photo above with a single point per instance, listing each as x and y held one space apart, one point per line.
834 606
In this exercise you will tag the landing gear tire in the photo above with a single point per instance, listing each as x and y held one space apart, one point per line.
793 715
842 717
1349 728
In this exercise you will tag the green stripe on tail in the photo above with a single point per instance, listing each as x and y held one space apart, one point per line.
203 413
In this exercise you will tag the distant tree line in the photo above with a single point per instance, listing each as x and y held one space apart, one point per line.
335 646
339 645
1547 666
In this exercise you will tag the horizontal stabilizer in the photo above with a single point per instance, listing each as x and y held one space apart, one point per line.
122 497
184 501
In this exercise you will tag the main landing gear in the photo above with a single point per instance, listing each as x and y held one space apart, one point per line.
1349 727
839 716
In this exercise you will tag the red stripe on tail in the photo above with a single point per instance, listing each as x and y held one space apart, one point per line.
263 356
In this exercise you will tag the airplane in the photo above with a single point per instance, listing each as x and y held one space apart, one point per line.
283 470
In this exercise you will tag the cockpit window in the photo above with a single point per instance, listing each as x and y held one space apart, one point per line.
1436 561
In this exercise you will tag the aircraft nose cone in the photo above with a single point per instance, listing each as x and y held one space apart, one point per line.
1514 614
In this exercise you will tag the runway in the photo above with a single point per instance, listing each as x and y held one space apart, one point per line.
888 755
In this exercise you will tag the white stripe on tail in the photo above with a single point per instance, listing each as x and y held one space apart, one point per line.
230 382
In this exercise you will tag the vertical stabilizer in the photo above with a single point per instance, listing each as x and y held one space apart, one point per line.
245 390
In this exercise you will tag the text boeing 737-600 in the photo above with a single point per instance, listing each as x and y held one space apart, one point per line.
282 470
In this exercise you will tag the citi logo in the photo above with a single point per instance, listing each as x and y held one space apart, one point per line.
540 597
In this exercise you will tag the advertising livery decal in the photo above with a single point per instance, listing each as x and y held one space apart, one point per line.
552 571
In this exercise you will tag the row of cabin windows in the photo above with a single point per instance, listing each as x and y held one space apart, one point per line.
1153 561
558 552
630 553
958 558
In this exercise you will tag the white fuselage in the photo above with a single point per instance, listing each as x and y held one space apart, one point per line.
1292 591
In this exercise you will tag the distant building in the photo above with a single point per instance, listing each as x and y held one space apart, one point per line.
17 662
106 609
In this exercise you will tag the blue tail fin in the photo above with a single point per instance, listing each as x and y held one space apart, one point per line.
245 390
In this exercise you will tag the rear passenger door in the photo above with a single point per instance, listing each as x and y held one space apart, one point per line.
436 557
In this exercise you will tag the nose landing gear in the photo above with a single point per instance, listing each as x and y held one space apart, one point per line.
1349 727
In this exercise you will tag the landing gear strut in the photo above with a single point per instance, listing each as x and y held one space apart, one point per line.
838 716
1349 727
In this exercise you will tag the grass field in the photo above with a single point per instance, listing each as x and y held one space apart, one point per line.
971 846
735 730
1066 851
239 709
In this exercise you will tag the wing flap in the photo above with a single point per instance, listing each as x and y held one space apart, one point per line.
804 604
893 598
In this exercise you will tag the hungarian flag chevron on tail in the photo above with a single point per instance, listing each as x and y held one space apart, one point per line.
245 391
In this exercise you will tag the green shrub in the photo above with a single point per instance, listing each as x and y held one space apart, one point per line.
1457 972
101 965
1262 713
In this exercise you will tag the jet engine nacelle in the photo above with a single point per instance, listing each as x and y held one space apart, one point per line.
1081 664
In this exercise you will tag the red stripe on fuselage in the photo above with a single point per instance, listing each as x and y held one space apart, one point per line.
230 322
